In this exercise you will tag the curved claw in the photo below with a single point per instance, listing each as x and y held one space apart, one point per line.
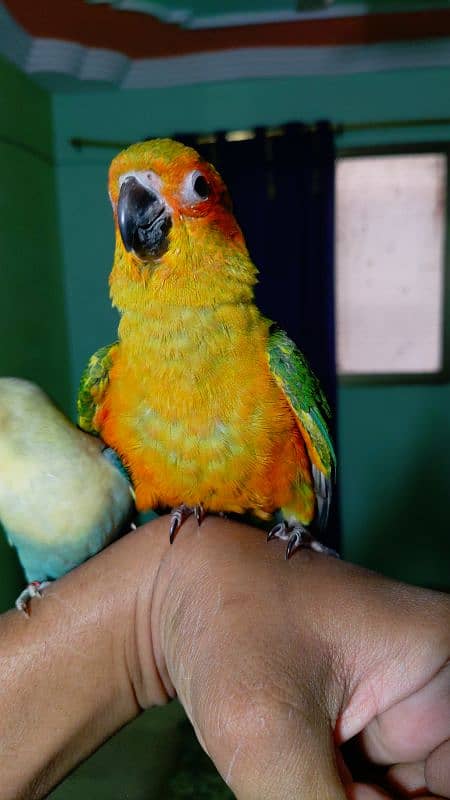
174 525
294 543
181 514
277 532
199 513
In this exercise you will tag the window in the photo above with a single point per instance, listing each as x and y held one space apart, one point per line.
391 219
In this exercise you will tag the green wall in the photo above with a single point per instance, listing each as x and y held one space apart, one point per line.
33 337
394 466
32 304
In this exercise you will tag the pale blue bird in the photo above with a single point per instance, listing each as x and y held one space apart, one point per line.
63 496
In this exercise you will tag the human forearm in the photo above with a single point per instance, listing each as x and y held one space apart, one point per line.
66 670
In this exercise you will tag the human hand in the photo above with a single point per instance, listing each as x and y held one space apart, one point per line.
279 663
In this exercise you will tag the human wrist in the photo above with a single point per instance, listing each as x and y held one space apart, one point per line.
227 615
141 641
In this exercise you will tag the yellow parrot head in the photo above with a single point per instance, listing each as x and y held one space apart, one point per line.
175 229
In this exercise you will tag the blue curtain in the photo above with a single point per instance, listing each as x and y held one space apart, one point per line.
282 189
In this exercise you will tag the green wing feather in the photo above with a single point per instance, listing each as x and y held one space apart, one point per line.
309 404
93 384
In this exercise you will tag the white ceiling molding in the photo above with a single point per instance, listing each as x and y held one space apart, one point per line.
190 17
43 58
177 16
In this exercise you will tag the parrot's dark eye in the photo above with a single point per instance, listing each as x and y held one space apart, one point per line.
196 189
201 186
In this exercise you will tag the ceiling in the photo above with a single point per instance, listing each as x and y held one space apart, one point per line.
84 44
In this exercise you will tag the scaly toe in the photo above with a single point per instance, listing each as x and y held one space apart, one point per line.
298 537
322 548
301 538
34 589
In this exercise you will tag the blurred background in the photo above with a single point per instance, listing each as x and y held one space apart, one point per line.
330 121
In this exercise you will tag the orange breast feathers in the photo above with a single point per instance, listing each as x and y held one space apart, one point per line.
205 423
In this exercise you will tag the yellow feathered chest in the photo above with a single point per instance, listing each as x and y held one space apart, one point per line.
196 415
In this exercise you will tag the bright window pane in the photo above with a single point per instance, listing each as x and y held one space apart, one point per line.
390 234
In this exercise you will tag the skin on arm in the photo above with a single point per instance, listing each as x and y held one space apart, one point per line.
66 670
275 662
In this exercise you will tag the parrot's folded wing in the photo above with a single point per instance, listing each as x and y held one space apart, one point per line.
308 402
93 384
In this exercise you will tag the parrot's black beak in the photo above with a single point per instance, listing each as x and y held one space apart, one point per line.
144 220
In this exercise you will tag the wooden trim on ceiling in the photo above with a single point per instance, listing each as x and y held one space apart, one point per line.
140 36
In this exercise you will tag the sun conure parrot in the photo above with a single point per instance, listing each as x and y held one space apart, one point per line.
209 406
63 496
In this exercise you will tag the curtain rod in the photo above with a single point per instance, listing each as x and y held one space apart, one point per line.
79 142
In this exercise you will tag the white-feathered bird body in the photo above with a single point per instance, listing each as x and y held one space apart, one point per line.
61 499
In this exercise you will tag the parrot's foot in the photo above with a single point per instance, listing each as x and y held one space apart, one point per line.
181 514
297 536
34 589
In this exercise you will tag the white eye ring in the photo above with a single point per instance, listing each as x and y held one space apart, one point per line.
197 189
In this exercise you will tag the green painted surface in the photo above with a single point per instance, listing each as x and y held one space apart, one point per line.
33 340
32 306
126 116
395 478
136 764
156 757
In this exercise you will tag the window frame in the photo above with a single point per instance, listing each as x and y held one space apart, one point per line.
405 378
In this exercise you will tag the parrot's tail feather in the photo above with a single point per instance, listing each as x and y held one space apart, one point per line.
323 492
